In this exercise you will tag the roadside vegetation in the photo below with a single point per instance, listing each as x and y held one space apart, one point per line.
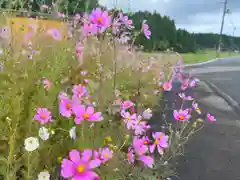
77 105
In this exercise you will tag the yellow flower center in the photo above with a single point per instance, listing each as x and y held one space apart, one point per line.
181 117
129 118
86 116
99 19
68 106
106 155
80 168
160 137
43 116
197 109
156 142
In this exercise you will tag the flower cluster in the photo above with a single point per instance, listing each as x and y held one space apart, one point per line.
78 107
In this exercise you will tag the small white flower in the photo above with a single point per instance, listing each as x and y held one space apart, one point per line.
52 132
1 51
72 132
44 175
147 114
43 133
94 104
31 144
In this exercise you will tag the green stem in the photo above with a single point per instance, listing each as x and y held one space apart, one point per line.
10 156
29 167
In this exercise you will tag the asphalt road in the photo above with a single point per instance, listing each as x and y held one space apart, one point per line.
213 153
224 73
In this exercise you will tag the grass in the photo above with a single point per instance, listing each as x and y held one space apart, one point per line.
191 58
22 92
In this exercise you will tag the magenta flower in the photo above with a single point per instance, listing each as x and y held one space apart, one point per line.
83 113
105 154
146 30
184 97
211 118
185 84
127 104
89 29
167 86
140 126
66 107
79 167
160 141
46 84
100 18
181 115
130 120
55 33
194 82
196 108
43 115
130 156
141 149
79 91
125 19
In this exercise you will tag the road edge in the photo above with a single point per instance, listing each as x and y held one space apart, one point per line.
230 101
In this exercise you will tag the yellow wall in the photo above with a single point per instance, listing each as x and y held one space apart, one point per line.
20 26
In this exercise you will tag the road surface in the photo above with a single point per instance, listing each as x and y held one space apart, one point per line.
214 153
224 73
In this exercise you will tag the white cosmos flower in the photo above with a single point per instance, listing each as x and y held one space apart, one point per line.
31 144
44 175
147 114
72 132
43 133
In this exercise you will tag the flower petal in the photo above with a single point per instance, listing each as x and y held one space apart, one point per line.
67 168
94 163
86 155
147 160
74 156
90 110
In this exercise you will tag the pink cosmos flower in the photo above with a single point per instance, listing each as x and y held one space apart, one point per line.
185 84
89 29
194 82
167 86
184 97
66 107
196 108
211 118
46 84
43 115
127 104
125 19
83 113
79 91
141 150
160 141
146 30
130 120
100 18
55 33
140 126
181 115
130 156
105 154
79 166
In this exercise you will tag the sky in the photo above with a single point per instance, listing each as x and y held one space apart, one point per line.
192 15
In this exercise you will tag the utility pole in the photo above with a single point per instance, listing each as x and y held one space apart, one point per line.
222 24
